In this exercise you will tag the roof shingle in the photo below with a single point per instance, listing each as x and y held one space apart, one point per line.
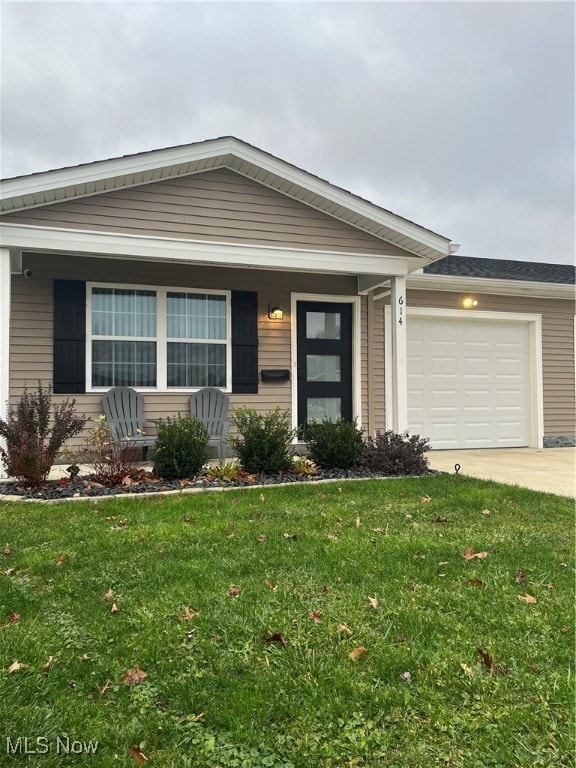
503 269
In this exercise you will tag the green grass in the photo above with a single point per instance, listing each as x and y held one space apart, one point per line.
216 694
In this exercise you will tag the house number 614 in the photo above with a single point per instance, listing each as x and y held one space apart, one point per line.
401 310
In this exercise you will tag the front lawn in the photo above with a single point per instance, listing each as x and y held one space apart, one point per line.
312 626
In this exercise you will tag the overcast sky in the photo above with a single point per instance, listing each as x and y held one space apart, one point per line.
459 116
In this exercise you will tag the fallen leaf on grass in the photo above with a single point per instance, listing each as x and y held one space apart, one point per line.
470 555
381 530
48 663
61 559
188 613
357 523
520 576
234 591
405 677
134 676
14 618
486 512
357 653
528 599
315 616
476 583
274 637
425 499
373 602
344 631
137 755
262 538
15 666
114 608
102 691
108 595
492 666
564 629
270 584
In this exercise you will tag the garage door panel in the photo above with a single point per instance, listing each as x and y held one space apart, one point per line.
468 381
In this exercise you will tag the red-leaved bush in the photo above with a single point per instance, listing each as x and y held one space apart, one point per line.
34 432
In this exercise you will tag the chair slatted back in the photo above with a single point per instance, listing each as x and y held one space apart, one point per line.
124 411
210 406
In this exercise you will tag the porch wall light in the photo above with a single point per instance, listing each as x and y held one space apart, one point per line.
469 301
275 312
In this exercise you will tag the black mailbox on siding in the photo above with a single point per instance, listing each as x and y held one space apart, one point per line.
281 374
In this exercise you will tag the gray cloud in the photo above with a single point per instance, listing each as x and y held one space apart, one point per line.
457 115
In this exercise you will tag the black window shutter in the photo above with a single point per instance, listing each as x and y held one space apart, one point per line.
69 337
245 342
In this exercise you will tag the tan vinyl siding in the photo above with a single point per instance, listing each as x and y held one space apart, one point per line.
557 347
32 321
217 206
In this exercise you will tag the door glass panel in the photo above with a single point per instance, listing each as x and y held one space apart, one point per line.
323 368
323 325
320 408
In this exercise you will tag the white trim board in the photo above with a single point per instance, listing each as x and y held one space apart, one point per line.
151 248
536 415
458 283
356 349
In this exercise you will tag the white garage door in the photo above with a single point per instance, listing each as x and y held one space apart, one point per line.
468 381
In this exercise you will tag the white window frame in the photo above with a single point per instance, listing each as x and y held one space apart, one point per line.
161 339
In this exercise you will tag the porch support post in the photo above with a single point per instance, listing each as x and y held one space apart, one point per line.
4 337
398 334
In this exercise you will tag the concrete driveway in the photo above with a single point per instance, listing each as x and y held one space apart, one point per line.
552 470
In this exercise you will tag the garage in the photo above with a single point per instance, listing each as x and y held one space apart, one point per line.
471 378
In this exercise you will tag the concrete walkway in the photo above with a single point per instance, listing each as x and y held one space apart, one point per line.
552 470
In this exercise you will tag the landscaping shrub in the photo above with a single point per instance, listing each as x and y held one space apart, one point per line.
263 441
226 471
181 448
34 433
303 467
334 444
396 454
108 460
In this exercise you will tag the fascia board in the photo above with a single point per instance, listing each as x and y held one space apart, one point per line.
107 169
88 243
491 285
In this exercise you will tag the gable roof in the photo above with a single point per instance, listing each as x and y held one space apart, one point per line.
503 269
48 187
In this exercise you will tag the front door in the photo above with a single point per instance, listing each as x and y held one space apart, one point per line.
324 360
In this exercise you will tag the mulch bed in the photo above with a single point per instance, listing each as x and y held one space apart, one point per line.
146 482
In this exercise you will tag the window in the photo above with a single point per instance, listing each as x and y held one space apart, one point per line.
158 338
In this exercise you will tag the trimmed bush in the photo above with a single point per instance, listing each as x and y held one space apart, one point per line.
396 454
334 444
181 448
34 433
264 441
